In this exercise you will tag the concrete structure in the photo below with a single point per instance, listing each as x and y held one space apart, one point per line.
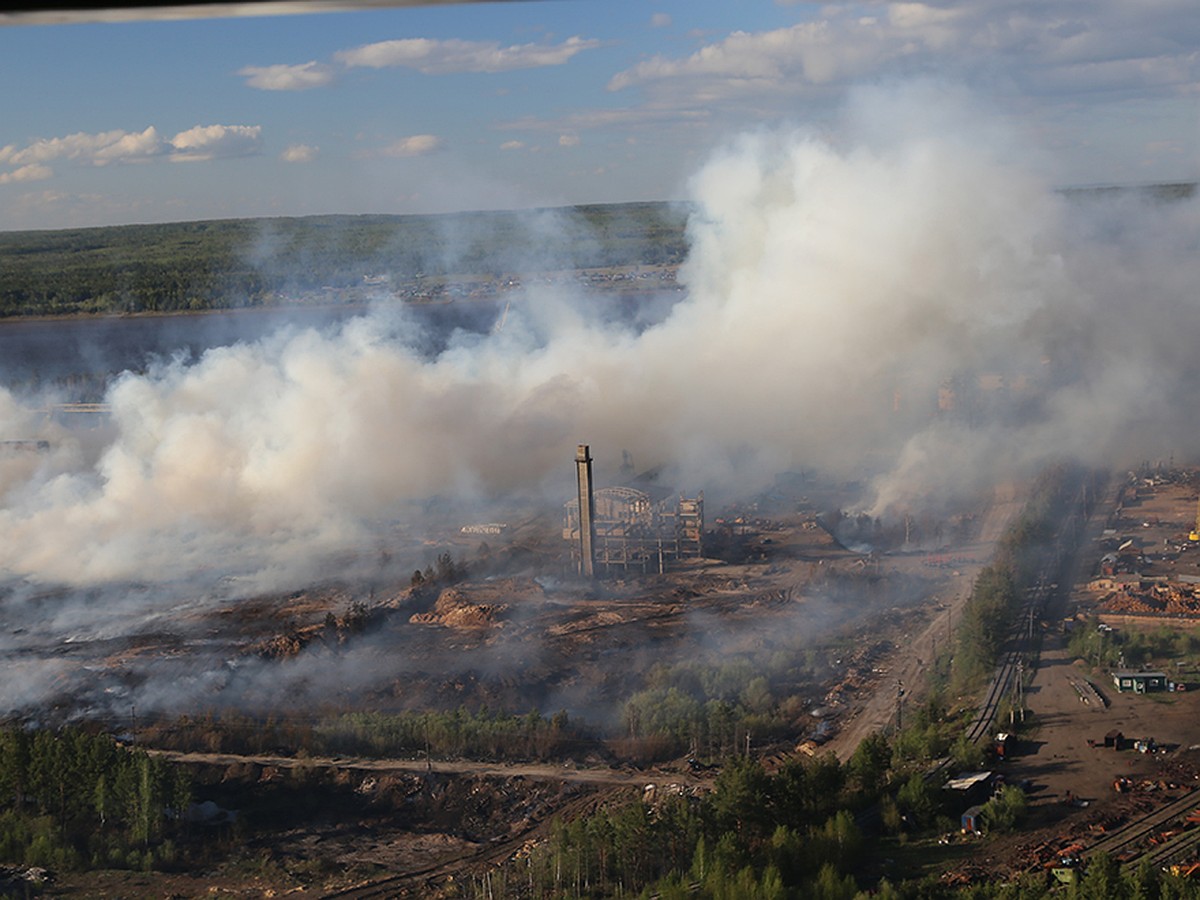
1140 682
586 524
623 527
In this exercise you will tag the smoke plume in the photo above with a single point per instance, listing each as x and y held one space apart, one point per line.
910 305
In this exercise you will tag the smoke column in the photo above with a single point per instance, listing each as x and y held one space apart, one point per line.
834 289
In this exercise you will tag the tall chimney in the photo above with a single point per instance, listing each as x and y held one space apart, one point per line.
587 524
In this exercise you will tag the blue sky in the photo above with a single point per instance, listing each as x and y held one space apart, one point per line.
511 105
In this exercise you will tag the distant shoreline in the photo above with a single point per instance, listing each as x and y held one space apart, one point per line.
356 306
179 313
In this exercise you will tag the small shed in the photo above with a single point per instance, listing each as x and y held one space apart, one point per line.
1114 739
1140 682
972 820
970 787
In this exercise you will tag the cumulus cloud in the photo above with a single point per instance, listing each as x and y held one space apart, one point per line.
512 145
299 153
568 140
660 20
414 145
443 57
94 149
31 172
1040 47
111 147
303 77
205 142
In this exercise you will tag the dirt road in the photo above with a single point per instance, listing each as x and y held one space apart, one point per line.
569 772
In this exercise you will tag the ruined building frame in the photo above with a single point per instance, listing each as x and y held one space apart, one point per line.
624 528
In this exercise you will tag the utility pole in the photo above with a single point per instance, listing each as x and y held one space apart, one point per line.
1020 689
899 705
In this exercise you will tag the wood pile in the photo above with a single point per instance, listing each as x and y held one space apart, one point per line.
1158 599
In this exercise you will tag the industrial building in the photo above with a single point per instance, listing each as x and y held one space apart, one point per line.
642 527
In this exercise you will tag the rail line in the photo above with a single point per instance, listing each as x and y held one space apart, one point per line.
492 853
1126 839
996 690
1180 847
1018 643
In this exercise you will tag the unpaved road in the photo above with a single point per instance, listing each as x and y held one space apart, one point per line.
599 775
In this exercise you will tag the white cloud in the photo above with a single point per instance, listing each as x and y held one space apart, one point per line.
205 142
1035 46
299 153
96 149
568 140
415 145
512 145
660 20
133 147
434 57
287 78
31 172
815 52
117 146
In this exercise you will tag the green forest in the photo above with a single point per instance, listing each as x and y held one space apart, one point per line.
263 262
72 799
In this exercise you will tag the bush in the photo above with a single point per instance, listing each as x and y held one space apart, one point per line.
1004 812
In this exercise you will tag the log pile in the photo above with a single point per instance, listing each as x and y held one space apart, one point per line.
1157 599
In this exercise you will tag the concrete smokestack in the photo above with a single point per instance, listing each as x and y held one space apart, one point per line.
587 523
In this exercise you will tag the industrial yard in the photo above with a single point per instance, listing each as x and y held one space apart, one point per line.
1109 755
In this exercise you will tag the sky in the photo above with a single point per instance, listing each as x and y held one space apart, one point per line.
420 109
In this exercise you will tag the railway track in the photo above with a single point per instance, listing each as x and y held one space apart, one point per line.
1181 847
1001 682
1128 839
419 881
1019 643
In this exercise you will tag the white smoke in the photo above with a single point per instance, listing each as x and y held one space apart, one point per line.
833 288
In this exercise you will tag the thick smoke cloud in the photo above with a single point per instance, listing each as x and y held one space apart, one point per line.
838 291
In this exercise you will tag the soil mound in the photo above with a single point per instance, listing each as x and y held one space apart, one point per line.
454 609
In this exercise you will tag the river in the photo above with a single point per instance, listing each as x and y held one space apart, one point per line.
78 355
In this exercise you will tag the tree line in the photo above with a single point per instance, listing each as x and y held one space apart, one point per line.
1024 551
72 799
455 734
258 262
